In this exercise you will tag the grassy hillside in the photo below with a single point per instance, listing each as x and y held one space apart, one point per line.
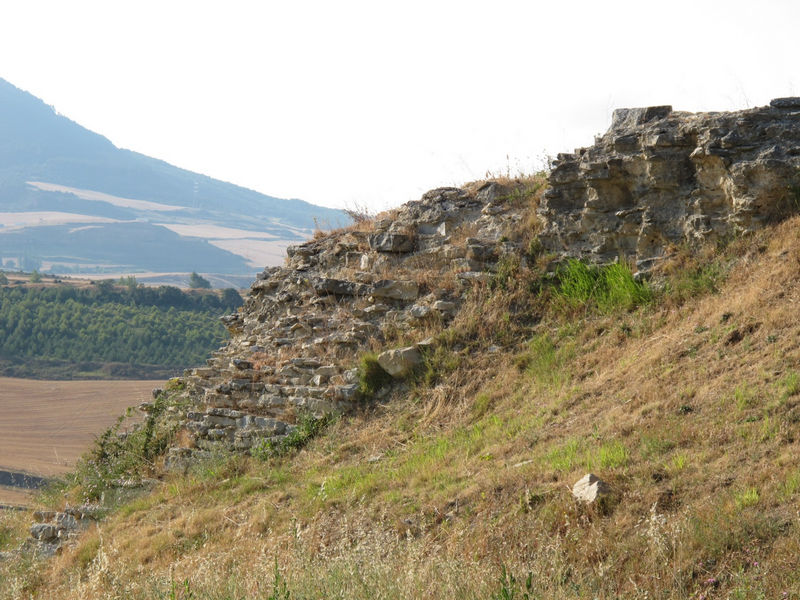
683 394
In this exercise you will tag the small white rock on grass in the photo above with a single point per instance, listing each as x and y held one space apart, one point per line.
590 488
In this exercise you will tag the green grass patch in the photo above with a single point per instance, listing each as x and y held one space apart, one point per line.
480 405
612 455
747 498
790 485
546 360
87 551
7 536
700 280
789 385
653 446
606 288
744 397
351 483
678 462
566 457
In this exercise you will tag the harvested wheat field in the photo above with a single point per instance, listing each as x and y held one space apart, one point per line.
47 425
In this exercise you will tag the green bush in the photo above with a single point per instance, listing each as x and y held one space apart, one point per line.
116 455
371 376
436 363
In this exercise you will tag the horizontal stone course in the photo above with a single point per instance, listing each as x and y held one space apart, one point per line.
296 342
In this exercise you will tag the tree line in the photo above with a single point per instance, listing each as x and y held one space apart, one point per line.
163 326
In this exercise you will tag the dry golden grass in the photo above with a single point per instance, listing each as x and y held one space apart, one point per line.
15 496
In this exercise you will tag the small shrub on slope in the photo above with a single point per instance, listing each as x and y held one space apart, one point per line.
118 455
371 376
511 589
308 427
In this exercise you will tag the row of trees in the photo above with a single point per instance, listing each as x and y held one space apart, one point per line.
151 326
106 291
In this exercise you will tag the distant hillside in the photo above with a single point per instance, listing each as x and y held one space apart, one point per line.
70 198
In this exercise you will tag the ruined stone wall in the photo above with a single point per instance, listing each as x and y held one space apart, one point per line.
660 178
657 179
296 342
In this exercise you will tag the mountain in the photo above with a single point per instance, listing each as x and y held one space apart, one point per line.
70 200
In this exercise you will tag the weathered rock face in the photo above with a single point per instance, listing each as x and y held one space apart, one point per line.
297 340
660 178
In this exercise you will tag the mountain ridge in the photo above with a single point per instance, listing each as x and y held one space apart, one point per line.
39 145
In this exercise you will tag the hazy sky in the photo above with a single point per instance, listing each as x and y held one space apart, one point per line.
372 103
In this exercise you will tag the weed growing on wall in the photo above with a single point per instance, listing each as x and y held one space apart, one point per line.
371 376
117 455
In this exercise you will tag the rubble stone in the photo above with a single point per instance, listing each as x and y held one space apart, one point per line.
401 361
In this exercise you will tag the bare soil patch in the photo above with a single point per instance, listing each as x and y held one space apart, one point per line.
19 220
101 197
257 253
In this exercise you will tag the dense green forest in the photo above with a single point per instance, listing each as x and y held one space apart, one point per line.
107 330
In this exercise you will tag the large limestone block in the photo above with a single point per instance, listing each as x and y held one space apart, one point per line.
44 532
391 242
396 289
401 361
338 287
660 179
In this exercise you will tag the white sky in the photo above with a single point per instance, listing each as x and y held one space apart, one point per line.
372 103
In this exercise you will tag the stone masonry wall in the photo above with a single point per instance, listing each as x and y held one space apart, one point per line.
660 178
656 180
296 342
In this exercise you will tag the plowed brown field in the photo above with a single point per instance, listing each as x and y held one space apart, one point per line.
45 426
